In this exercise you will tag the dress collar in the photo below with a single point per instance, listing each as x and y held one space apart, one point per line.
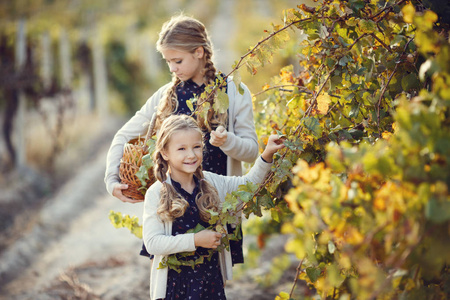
182 191
191 83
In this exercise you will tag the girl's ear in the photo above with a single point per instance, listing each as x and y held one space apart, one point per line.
199 52
164 155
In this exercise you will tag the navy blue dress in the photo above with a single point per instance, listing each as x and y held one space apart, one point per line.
214 159
204 281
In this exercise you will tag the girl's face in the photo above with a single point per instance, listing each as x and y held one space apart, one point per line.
186 65
184 153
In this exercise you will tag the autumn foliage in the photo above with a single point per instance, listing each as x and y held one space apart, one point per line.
361 189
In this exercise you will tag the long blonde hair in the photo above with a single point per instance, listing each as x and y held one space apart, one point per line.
187 34
172 204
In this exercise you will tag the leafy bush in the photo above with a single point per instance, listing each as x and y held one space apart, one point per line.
367 151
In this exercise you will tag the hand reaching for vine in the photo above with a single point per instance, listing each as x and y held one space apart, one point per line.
274 144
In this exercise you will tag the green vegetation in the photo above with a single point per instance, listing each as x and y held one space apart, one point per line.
361 189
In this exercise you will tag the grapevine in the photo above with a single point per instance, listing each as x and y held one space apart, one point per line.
361 188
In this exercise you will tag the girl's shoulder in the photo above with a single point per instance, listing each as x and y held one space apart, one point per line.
232 89
154 190
156 96
215 179
162 89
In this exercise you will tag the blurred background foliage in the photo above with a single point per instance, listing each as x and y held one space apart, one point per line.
101 55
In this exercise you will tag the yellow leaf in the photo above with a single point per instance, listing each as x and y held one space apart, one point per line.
430 16
353 236
323 100
380 203
408 13
386 135
296 246
282 296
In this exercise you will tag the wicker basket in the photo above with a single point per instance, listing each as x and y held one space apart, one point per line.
130 163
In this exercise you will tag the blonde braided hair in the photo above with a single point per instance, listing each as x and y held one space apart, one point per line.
187 34
172 204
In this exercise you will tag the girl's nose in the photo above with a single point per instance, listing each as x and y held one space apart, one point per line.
172 68
191 153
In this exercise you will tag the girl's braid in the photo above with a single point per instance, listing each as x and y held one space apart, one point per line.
169 102
210 70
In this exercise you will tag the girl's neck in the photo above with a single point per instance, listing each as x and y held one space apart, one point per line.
199 80
185 180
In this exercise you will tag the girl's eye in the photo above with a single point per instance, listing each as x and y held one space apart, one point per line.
178 61
197 146
181 149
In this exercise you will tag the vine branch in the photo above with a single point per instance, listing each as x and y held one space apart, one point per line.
381 97
301 88
299 267
390 7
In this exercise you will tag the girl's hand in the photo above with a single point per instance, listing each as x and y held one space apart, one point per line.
274 144
118 193
218 137
207 239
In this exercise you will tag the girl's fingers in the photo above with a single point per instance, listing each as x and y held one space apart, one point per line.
220 129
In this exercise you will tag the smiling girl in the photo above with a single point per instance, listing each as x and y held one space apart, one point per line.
179 200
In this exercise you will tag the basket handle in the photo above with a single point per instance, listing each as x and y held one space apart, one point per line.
149 131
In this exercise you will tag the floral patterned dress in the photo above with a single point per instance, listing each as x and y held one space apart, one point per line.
204 281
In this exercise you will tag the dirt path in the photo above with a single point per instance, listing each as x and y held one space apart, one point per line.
73 230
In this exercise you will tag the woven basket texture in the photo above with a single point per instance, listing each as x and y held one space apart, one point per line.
130 163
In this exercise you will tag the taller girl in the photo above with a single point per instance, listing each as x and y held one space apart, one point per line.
185 45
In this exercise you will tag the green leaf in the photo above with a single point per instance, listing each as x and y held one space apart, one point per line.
197 228
354 111
410 81
241 90
274 213
313 273
266 201
334 276
437 211
356 134
147 160
367 26
222 102
244 196
142 174
344 60
237 81
313 125
204 111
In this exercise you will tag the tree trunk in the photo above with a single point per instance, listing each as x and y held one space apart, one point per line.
20 157
100 79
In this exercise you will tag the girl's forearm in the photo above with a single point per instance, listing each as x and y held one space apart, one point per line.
267 156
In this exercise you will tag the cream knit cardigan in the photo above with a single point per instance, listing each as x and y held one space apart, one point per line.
241 144
157 235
